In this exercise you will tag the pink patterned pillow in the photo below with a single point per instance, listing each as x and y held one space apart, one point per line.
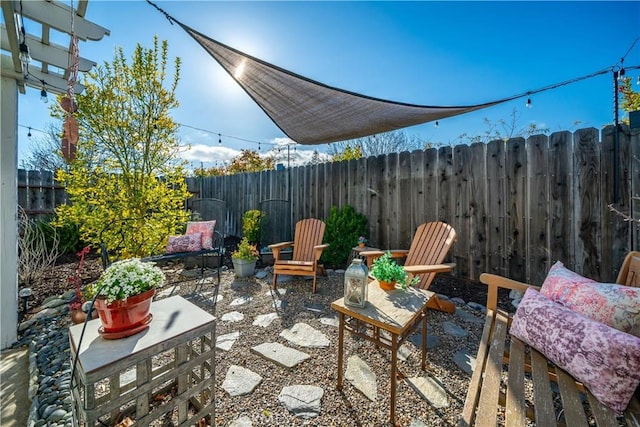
204 227
604 359
615 305
187 243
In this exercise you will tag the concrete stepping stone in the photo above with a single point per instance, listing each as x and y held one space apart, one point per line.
465 316
465 360
209 295
278 304
284 278
264 320
458 301
261 274
243 421
279 354
360 375
430 390
417 423
302 400
305 336
454 330
240 381
315 308
277 292
240 301
478 307
233 316
331 321
432 340
225 342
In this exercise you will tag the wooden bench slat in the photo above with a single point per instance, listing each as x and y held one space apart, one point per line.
490 392
604 416
515 407
573 411
473 394
543 399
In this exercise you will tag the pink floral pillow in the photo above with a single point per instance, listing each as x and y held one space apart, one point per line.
205 228
187 243
615 305
604 359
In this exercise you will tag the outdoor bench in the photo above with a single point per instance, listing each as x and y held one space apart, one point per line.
512 381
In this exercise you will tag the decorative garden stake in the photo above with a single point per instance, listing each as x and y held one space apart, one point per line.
355 284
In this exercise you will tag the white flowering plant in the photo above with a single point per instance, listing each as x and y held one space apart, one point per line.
124 279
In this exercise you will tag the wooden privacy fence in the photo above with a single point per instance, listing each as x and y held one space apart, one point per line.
38 193
518 206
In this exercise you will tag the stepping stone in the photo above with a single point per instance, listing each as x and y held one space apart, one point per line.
465 360
209 295
240 301
279 304
277 292
264 320
430 390
468 317
453 329
458 301
279 354
417 423
243 421
513 294
362 377
331 321
432 340
261 274
225 342
166 292
478 307
233 316
302 400
305 336
239 381
316 308
283 278
444 297
404 352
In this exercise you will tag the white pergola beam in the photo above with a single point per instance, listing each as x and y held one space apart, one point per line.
54 83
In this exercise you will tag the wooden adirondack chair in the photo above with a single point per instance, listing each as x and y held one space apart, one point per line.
630 271
429 247
307 248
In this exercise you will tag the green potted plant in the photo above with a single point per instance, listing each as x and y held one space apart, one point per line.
124 293
244 258
387 272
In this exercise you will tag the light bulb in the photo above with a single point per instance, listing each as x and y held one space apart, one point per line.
24 56
621 74
219 140
29 133
437 125
528 104
638 81
43 96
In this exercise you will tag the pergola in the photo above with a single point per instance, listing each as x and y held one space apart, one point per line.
48 69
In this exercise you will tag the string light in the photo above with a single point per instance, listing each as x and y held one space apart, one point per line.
24 56
43 95
29 133
437 125
219 139
528 104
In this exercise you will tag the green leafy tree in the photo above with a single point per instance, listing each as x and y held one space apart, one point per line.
250 161
348 153
630 98
125 186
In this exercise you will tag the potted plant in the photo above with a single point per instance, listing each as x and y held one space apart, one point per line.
124 293
362 241
244 258
77 302
387 272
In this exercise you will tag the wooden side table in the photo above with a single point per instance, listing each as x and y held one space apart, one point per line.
355 253
399 312
154 374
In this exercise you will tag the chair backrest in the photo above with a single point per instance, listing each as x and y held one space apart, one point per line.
430 245
630 272
309 233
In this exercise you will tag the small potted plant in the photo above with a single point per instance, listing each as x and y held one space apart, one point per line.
362 241
244 258
124 293
387 272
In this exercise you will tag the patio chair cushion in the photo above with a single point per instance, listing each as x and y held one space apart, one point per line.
185 243
614 305
604 359
205 228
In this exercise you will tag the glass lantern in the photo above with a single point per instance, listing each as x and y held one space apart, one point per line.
355 284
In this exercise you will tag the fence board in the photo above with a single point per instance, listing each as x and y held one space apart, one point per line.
417 199
634 168
430 186
375 167
404 195
516 179
537 163
461 176
478 211
496 207
587 203
445 186
561 216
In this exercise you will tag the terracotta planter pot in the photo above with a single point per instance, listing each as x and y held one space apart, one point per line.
122 315
387 286
79 316
361 245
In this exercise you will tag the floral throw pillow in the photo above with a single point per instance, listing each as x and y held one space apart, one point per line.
187 243
604 359
615 305
205 228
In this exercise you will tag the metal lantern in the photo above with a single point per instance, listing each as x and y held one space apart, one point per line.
355 284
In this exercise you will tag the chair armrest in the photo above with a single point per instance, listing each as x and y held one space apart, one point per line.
493 281
277 247
319 248
425 269
374 255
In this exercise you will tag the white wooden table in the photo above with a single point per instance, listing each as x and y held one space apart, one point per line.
126 377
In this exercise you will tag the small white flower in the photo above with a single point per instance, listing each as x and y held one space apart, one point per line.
124 279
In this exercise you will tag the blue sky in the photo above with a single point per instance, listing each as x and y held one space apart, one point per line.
430 53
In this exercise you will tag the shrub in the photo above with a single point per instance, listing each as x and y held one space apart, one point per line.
245 251
251 221
343 227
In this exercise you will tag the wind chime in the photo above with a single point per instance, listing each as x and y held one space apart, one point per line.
68 104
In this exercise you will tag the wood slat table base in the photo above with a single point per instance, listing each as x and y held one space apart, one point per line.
169 367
